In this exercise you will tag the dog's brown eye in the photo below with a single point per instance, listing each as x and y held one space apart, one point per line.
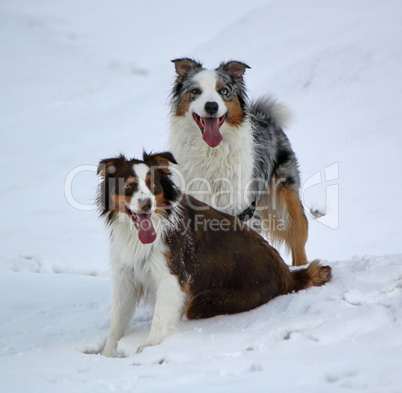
129 186
196 92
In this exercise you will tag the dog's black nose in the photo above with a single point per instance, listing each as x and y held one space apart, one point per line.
211 107
145 204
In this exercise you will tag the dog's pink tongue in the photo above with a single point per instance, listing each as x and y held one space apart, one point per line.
211 134
146 230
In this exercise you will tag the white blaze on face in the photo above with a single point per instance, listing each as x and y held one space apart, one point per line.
207 80
208 123
143 192
142 205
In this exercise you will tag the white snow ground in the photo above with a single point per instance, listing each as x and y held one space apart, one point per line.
84 80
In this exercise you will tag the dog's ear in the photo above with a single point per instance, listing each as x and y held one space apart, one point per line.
236 69
160 160
108 166
184 66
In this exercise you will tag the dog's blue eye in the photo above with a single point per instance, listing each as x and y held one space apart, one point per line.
224 91
196 91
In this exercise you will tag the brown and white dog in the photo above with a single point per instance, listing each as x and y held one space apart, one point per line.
234 155
181 255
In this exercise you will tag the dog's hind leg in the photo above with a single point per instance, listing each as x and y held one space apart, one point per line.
210 303
296 231
284 221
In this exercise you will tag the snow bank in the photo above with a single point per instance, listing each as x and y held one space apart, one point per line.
343 336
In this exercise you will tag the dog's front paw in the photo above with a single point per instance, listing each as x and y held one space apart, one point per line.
113 354
110 350
147 344
141 348
107 353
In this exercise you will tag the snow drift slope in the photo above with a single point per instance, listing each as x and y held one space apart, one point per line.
82 81
343 336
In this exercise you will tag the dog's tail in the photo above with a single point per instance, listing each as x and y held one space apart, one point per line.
268 108
314 275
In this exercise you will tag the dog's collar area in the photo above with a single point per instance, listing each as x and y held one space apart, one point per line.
247 213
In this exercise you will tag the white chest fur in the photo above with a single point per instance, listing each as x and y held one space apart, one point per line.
219 176
141 272
146 262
